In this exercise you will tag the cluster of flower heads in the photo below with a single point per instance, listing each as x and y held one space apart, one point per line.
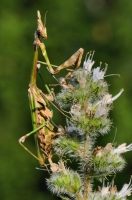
70 185
84 95
110 192
87 97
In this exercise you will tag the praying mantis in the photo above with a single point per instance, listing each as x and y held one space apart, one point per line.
41 115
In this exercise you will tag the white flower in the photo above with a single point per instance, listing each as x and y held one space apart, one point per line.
108 99
111 189
105 191
102 110
125 191
98 74
102 105
88 63
123 148
120 149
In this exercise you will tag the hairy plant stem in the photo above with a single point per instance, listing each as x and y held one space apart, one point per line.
86 186
86 178
86 149
79 197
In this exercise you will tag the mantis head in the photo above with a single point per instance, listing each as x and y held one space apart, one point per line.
41 29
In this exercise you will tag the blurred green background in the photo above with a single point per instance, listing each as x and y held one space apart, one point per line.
101 25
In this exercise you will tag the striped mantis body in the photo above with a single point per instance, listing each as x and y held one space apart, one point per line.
41 114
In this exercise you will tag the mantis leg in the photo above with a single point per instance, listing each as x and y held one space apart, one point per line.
22 140
74 60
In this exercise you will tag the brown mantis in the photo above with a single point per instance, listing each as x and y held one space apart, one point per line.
41 115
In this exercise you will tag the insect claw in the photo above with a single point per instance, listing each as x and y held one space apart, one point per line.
22 139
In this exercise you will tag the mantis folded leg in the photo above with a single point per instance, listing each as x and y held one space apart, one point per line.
22 139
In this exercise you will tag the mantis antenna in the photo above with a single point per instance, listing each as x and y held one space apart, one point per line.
45 18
